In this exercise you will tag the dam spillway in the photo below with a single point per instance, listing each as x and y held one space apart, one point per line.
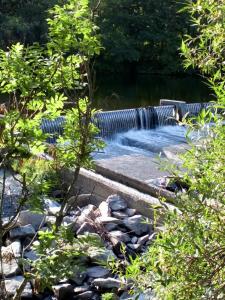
134 139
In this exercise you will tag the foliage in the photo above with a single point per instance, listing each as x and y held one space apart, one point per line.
61 256
37 81
141 34
136 35
187 259
23 21
205 48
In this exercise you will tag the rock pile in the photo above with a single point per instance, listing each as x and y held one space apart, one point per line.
123 231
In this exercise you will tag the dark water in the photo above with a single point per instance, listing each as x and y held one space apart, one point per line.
118 92
115 92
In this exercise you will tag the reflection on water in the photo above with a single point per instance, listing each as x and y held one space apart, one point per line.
115 92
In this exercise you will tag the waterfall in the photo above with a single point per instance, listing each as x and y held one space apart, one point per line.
118 121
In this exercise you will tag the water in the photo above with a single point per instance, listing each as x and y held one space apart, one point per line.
148 143
116 92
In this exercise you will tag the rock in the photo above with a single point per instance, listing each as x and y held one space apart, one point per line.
107 283
14 249
119 214
151 238
52 207
130 212
21 232
135 247
31 255
81 289
134 240
107 220
81 200
63 291
9 265
78 278
13 283
87 214
110 226
67 220
104 255
116 202
50 220
143 239
104 209
97 272
57 194
86 227
120 236
137 224
27 217
88 295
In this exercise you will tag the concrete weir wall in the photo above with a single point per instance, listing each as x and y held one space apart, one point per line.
101 187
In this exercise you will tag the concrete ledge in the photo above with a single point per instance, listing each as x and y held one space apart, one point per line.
142 186
102 187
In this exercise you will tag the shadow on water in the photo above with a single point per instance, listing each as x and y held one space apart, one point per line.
116 92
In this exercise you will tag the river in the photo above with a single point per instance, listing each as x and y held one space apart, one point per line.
118 92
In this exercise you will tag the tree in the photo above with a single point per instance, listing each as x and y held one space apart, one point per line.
37 81
187 260
142 34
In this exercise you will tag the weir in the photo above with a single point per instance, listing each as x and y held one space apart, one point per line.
134 139
118 121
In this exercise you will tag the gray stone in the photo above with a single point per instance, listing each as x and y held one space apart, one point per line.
21 232
81 200
86 227
104 209
78 277
10 266
63 291
120 236
87 214
13 283
107 220
130 212
134 240
50 220
14 249
116 202
104 255
137 224
119 214
110 226
143 239
135 247
107 283
27 217
52 207
67 220
88 295
97 272
81 289
31 255
151 238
